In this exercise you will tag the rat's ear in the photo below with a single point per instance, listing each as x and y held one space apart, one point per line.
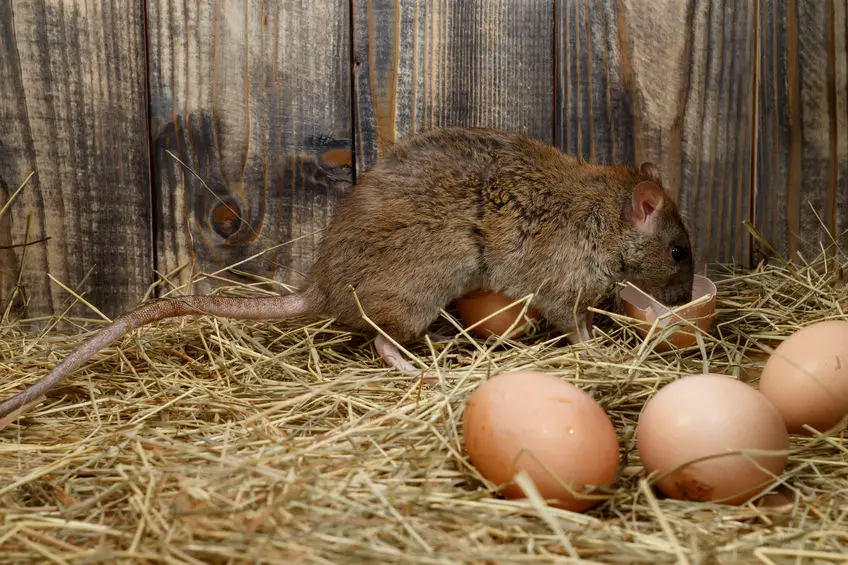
648 199
650 170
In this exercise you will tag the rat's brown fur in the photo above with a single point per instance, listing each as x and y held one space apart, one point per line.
454 210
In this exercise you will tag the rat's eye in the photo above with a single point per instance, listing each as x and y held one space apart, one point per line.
679 253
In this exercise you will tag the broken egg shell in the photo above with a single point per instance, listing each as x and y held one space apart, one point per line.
706 415
806 377
545 426
642 307
479 304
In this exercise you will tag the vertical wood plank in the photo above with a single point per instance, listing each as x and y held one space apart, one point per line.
802 150
670 82
74 111
421 64
255 98
594 114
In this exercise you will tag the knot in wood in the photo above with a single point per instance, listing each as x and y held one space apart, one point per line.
226 219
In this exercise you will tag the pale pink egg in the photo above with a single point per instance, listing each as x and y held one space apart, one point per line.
806 377
701 416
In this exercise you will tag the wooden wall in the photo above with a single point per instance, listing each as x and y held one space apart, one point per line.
73 110
170 138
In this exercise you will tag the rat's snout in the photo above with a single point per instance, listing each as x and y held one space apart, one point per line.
677 288
671 294
677 295
677 292
671 291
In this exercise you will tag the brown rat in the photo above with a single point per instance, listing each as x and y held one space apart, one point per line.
454 210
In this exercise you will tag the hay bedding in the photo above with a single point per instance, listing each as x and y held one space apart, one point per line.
216 441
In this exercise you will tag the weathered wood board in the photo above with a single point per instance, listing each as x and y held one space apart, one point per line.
669 82
802 149
593 108
743 105
74 111
422 64
254 97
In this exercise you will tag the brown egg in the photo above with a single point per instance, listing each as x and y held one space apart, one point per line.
704 415
643 307
479 304
806 377
533 421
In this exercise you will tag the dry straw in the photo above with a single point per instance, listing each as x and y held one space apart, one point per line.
218 441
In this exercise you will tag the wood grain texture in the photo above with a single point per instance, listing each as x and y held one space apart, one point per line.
434 64
255 98
74 111
670 82
594 114
802 149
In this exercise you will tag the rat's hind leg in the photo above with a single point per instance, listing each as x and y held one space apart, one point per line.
393 357
402 298
404 323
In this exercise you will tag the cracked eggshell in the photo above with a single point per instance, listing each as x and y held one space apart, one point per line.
478 304
705 415
540 423
643 307
806 377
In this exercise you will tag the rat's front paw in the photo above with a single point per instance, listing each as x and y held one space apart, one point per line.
582 335
583 331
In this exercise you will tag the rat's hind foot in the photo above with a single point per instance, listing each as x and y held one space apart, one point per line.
393 357
439 338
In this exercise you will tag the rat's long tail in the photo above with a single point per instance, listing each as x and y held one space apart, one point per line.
264 308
